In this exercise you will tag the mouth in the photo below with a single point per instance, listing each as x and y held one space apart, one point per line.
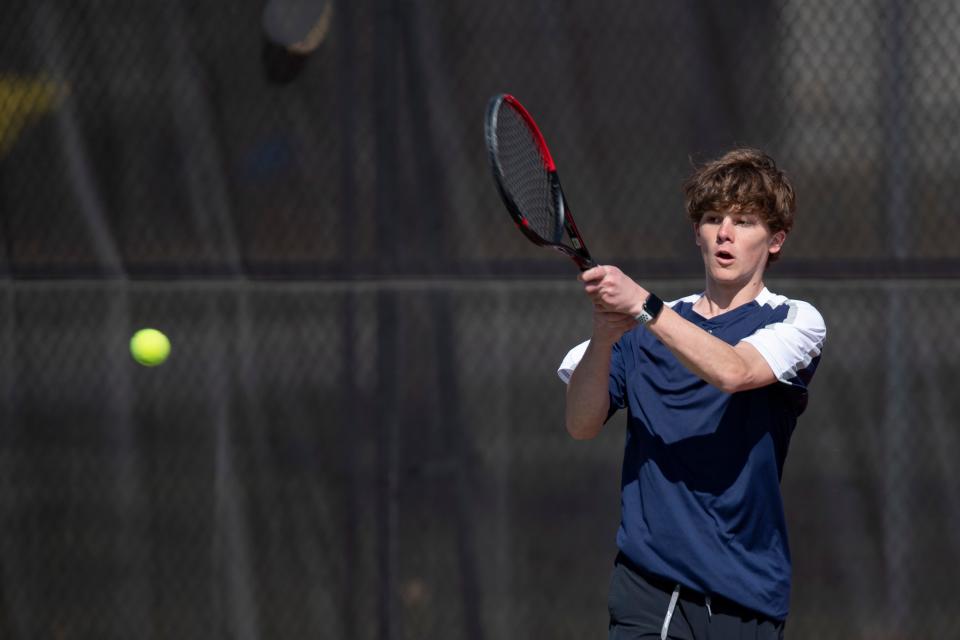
724 257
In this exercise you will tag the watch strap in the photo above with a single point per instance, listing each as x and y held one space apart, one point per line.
651 309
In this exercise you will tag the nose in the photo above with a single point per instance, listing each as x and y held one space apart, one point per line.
725 230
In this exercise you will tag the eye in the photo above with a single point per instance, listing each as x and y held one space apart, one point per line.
710 218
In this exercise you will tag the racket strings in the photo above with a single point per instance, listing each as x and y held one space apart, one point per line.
525 175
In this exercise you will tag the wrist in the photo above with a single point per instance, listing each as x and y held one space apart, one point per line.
604 339
650 309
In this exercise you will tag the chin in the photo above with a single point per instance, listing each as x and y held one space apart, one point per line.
725 276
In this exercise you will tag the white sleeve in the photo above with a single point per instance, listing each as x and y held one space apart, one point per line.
792 344
571 360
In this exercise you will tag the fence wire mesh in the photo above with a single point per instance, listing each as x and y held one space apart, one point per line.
359 431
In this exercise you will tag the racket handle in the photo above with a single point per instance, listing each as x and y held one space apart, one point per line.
585 263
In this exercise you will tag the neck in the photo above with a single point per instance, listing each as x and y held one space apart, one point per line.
722 297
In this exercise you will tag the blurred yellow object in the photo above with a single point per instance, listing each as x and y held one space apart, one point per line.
22 100
149 347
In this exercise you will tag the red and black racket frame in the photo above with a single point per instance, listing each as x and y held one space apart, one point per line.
578 251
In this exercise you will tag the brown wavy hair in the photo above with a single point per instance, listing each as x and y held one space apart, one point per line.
745 180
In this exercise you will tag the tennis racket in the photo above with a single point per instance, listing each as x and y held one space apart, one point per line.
527 180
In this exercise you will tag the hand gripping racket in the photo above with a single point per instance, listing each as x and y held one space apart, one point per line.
527 180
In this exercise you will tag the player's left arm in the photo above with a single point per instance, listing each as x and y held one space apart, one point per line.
729 368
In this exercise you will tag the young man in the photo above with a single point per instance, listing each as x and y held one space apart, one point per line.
713 384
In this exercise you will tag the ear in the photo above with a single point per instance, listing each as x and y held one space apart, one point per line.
776 241
696 233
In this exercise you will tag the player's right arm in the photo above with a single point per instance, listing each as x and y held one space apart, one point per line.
588 394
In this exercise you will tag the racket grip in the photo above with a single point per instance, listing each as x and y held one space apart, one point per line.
585 263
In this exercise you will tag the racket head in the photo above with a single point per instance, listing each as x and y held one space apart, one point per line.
527 180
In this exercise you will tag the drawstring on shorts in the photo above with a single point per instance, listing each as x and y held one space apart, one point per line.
673 606
670 610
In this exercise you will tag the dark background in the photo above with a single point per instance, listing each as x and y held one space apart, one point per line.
359 432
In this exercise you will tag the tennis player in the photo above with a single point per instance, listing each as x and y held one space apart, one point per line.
713 384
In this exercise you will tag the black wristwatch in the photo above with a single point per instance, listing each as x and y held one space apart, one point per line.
651 309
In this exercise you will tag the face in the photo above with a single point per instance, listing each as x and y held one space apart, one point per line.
735 245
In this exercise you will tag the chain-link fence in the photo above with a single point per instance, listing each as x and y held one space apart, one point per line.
359 432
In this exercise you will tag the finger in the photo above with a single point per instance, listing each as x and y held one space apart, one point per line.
616 315
593 274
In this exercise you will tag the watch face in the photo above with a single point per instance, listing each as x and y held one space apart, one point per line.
652 306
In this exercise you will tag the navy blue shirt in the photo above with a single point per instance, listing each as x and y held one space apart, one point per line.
700 487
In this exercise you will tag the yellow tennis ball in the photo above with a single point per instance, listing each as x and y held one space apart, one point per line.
149 347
